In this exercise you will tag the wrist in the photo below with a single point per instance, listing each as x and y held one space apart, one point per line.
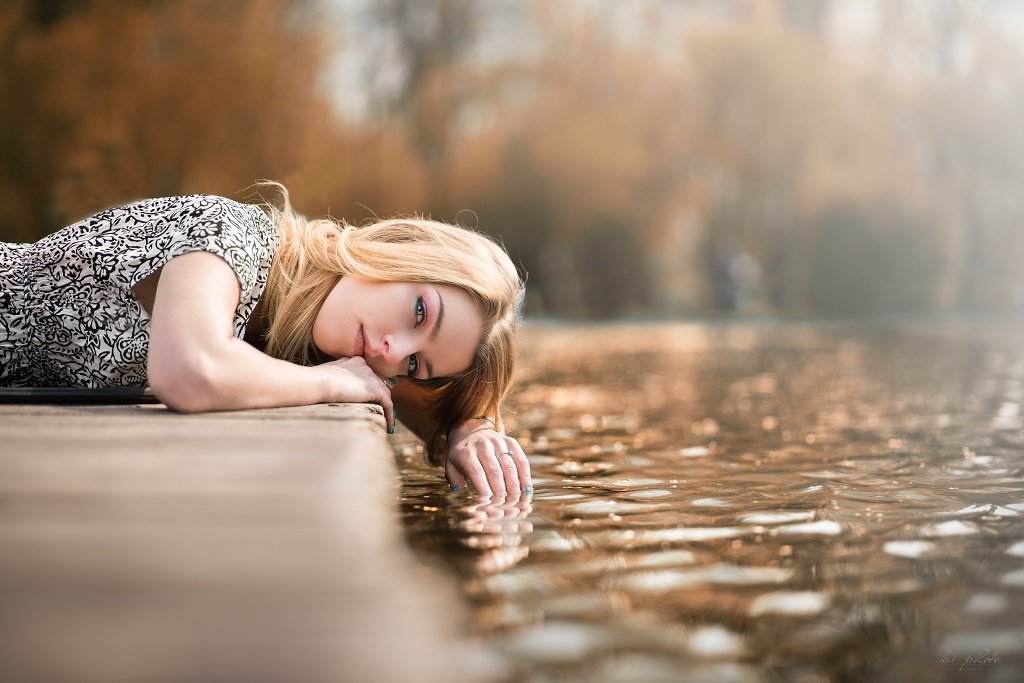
468 426
325 386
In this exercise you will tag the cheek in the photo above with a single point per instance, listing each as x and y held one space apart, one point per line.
320 332
329 325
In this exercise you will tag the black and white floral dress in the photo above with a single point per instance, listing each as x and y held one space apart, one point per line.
68 317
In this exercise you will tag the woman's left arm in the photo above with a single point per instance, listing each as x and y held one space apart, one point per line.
477 452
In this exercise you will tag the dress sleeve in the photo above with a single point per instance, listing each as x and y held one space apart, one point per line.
73 320
157 230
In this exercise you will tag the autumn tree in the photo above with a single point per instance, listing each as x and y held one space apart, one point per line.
108 101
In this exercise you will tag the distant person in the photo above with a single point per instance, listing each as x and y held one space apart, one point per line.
219 305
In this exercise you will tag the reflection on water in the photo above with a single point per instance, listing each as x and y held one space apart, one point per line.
751 503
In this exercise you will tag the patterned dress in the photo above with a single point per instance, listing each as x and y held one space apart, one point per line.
68 317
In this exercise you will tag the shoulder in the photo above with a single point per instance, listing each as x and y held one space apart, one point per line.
147 234
202 216
194 206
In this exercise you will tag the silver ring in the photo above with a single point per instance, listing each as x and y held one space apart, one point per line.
509 454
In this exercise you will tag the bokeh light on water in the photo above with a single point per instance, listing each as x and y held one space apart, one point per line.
750 502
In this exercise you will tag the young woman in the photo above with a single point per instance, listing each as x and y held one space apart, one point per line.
219 305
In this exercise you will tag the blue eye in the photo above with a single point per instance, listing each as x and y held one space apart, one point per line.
421 310
414 365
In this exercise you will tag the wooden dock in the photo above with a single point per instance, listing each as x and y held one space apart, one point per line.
139 545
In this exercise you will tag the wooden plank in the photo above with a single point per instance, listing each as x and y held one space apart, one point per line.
137 544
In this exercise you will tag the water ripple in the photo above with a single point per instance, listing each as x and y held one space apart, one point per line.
749 503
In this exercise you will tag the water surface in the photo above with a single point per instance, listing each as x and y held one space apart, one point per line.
750 502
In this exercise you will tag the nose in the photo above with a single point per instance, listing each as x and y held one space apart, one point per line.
394 349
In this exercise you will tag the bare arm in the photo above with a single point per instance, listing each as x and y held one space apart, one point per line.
196 364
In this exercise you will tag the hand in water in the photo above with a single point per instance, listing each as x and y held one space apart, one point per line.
493 462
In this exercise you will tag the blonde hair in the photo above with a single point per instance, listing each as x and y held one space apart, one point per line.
313 254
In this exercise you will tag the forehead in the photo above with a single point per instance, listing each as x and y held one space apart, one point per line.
451 352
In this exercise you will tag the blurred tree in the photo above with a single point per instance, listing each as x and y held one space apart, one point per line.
611 146
111 100
873 260
586 168
616 276
967 120
811 16
428 39
787 135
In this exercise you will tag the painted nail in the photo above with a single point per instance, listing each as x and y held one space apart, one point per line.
456 489
529 490
391 429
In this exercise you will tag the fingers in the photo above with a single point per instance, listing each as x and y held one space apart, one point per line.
389 407
381 389
455 478
477 475
381 392
515 469
357 383
494 463
525 479
477 463
493 468
389 413
487 473
510 471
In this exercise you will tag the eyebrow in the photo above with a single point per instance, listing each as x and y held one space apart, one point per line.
434 332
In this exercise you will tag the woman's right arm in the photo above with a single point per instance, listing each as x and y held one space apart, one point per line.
196 363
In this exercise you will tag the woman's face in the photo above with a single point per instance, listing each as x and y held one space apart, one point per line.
422 330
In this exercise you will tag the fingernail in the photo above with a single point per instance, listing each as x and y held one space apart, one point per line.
393 381
391 429
456 489
529 490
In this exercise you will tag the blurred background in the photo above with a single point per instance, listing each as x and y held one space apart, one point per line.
636 157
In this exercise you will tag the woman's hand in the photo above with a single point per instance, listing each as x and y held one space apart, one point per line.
350 380
493 462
